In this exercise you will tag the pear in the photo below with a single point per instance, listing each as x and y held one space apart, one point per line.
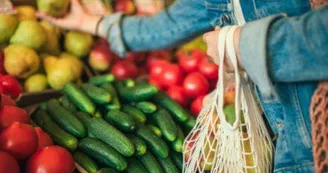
26 12
8 25
77 65
21 61
49 62
56 8
29 33
52 43
78 43
36 83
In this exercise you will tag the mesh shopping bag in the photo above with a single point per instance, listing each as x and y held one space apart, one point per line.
233 138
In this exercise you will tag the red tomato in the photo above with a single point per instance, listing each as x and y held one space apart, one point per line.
52 159
155 82
208 69
8 163
11 114
157 69
6 100
44 139
158 55
172 75
197 105
176 93
19 139
189 60
124 69
195 84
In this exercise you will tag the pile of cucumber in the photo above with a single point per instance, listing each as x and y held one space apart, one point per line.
117 126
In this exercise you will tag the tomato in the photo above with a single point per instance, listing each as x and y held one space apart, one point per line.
6 100
158 55
195 84
176 93
172 75
52 159
19 139
8 163
157 69
189 60
155 82
197 105
124 69
208 69
11 114
44 139
137 57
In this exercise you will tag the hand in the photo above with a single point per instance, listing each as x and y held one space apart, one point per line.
76 19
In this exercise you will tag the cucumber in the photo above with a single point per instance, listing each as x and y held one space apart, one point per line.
146 107
65 119
139 145
59 136
177 158
107 170
115 104
98 114
67 104
97 94
129 83
177 144
43 106
102 79
155 130
103 153
110 135
173 107
137 93
165 122
190 123
134 166
79 98
150 163
168 165
154 143
135 113
121 120
85 162
84 118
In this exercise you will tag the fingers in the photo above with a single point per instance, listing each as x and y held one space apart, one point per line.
55 21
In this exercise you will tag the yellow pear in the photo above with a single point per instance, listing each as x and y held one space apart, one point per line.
52 44
36 83
26 12
76 64
56 8
78 43
8 25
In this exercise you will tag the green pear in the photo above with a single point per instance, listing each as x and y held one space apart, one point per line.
26 12
36 83
52 43
29 33
77 65
8 25
78 43
21 61
230 113
56 8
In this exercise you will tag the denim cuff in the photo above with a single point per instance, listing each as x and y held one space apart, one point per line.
253 51
111 28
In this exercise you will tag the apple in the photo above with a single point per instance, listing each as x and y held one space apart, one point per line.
2 58
137 57
101 56
125 6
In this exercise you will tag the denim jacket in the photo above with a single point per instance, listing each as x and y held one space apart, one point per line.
283 56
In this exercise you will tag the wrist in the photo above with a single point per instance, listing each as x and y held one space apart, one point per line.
89 23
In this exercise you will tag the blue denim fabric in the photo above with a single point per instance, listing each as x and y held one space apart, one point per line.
282 69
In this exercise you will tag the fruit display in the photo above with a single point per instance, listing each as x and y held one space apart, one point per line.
125 125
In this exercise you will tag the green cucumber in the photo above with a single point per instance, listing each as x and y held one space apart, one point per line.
129 83
139 145
150 163
154 143
135 113
102 79
79 98
146 107
97 94
155 130
84 118
59 136
177 144
115 104
177 158
98 114
107 170
103 153
168 165
165 122
65 119
67 104
190 123
137 93
173 107
134 166
121 120
85 162
43 106
110 135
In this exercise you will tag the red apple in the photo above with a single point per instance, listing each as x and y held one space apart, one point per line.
124 69
100 56
125 6
137 57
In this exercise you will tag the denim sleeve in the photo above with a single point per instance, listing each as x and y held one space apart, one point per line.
284 49
181 22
